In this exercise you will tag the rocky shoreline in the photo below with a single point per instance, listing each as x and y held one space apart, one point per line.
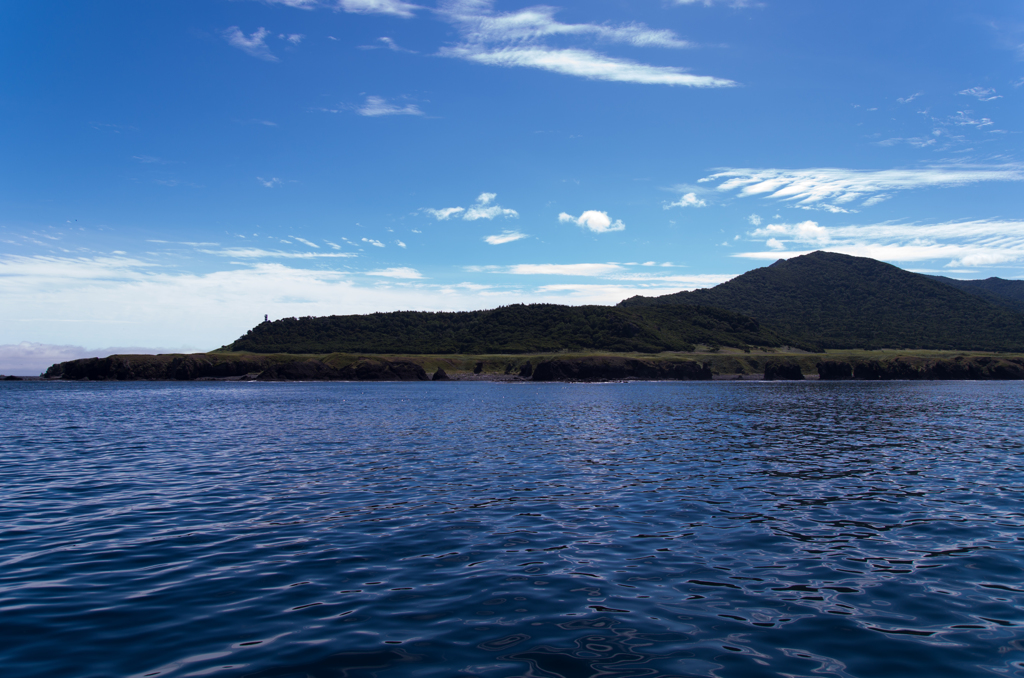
226 367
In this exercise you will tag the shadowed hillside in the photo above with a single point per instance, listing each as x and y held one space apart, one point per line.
510 329
841 301
1006 293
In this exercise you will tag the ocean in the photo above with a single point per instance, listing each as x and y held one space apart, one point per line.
725 529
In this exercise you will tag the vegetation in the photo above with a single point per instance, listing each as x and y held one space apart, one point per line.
1006 293
512 329
838 301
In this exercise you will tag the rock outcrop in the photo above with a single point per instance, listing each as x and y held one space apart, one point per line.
961 368
776 370
378 369
147 367
440 375
600 368
201 366
834 370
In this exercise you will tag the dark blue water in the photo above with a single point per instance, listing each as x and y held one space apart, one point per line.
544 530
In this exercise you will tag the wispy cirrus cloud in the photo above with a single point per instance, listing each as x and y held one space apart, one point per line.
839 185
516 39
378 106
977 243
505 237
593 220
254 44
585 270
258 253
981 93
393 7
400 273
484 208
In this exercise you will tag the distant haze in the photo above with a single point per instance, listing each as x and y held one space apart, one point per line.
29 359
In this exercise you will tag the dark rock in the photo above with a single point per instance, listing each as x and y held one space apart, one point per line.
378 369
782 370
305 370
11 377
834 369
605 368
526 371
478 368
440 375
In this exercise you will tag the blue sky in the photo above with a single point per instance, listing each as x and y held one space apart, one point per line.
173 170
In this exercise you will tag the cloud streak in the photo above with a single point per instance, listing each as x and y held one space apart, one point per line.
378 106
254 44
975 243
517 40
817 185
505 237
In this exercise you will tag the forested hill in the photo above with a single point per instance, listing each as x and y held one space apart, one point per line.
1006 293
841 301
510 329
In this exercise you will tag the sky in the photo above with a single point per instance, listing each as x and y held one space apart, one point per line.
173 170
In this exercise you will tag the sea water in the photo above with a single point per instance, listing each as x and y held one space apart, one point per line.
493 529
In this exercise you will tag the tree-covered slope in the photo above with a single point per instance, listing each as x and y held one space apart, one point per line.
1006 293
841 301
510 329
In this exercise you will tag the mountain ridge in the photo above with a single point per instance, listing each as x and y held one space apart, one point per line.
840 301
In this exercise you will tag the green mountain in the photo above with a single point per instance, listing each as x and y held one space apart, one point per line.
510 329
839 301
1006 293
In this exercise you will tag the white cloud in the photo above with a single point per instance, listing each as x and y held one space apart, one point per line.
842 186
966 119
375 243
981 93
505 237
962 243
483 209
297 4
333 245
584 64
516 39
687 200
390 44
479 24
378 106
587 270
269 183
294 38
754 219
253 45
445 213
393 7
804 232
907 100
477 212
256 253
400 244
593 220
401 273
306 242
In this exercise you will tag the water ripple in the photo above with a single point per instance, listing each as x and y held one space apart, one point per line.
543 530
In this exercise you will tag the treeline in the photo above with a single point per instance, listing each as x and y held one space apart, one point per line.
534 328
